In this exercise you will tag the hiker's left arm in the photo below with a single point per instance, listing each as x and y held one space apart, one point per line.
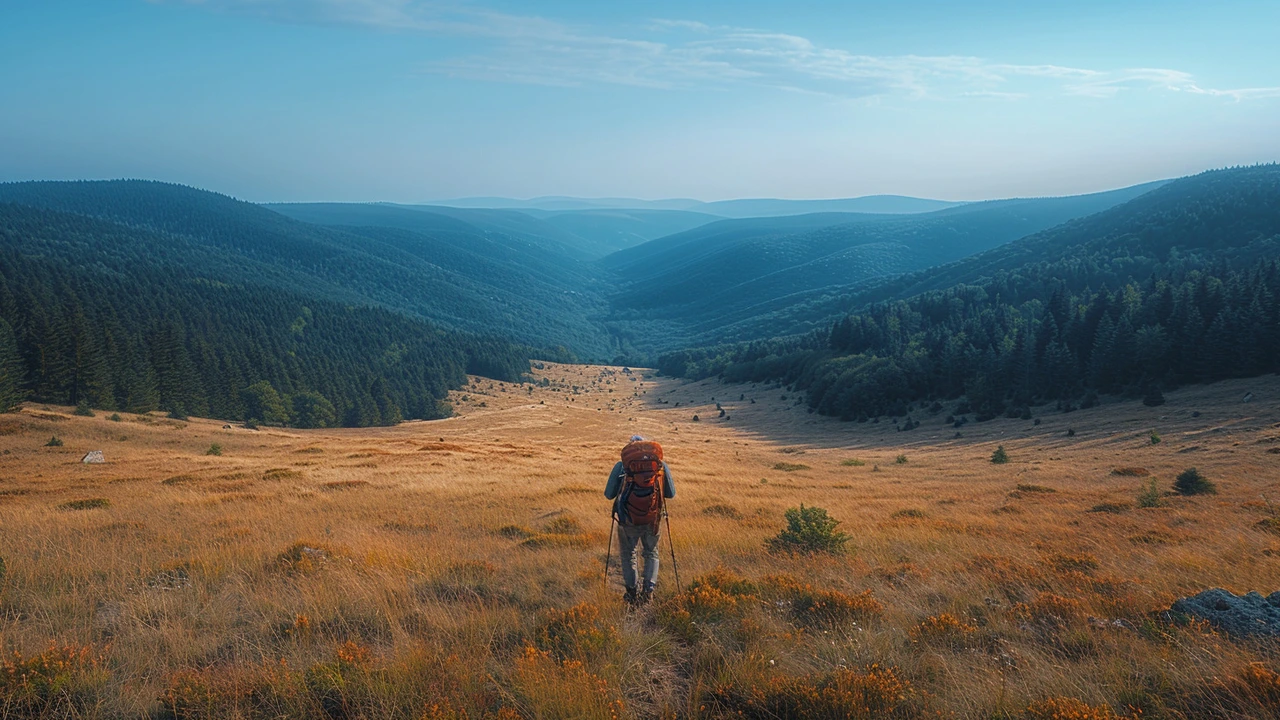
614 484
668 484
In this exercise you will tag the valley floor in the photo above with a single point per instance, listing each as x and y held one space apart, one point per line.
454 568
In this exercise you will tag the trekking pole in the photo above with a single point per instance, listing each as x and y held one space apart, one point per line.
674 567
608 550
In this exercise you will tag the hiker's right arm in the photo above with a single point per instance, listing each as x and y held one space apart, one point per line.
612 487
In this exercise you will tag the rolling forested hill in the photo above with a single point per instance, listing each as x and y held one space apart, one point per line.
426 265
113 317
1179 285
734 279
578 234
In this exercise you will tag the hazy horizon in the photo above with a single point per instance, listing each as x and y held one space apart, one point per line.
412 102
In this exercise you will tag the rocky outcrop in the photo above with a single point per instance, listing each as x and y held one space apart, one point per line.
1250 615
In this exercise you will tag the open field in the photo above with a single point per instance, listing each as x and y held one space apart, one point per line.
453 568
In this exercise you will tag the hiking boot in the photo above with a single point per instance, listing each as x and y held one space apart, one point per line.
629 597
646 597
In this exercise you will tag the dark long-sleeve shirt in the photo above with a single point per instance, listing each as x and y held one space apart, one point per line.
614 485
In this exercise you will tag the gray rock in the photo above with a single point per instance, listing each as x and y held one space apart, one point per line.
1250 615
94 457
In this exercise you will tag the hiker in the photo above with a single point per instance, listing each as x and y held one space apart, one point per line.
638 508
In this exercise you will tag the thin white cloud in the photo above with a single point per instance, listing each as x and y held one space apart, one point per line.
675 53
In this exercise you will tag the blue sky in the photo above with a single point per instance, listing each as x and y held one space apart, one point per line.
410 100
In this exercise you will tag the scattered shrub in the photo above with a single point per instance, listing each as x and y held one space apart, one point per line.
1150 495
852 462
809 530
59 682
576 633
1155 437
1131 472
344 484
945 630
303 558
1068 709
696 418
725 511
86 504
1000 457
1049 609
54 441
178 413
214 449
1153 397
1064 563
901 460
871 692
83 410
812 605
1191 482
115 417
1071 432
549 688
790 467
1268 525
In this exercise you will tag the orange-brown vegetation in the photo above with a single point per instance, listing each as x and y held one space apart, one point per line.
453 569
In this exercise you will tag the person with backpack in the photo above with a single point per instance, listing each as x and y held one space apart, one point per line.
639 486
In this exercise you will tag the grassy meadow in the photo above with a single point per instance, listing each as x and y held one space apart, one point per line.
453 569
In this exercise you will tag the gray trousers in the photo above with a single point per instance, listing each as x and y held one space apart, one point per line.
647 536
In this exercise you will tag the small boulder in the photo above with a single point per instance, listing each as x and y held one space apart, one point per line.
93 457
1250 615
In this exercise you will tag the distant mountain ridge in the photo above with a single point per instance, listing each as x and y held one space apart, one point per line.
739 208
739 279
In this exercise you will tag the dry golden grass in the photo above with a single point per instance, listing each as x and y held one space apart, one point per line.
452 569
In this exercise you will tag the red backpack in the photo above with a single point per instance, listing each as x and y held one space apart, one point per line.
640 502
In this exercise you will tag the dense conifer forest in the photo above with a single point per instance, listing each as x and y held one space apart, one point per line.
1181 285
102 315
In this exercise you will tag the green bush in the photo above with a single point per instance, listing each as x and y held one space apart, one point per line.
809 530
901 460
1155 438
83 410
790 467
86 504
1000 457
54 441
1191 482
1150 496
115 417
214 449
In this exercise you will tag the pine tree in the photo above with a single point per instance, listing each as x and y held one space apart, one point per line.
11 369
